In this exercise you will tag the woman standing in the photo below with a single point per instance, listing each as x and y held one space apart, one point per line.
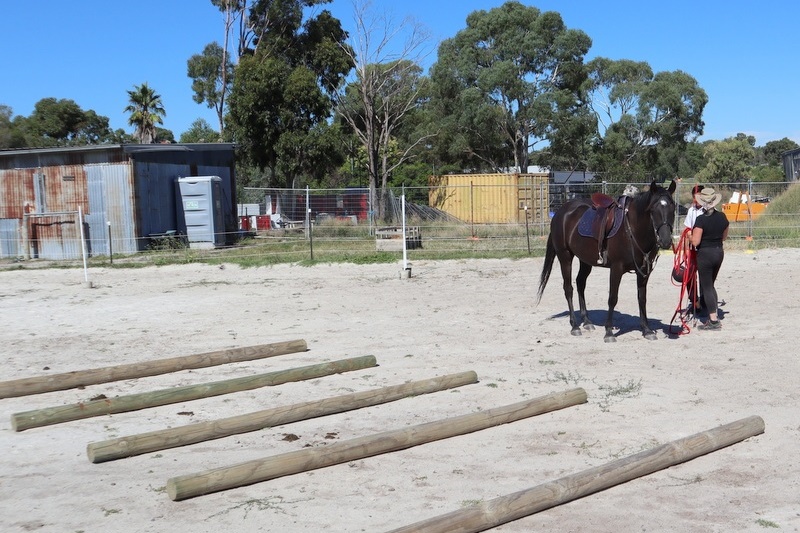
710 231
695 209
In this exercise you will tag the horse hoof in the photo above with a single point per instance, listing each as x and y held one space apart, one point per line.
588 327
610 338
576 332
650 336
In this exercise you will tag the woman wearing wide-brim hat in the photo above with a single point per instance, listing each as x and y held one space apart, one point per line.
710 231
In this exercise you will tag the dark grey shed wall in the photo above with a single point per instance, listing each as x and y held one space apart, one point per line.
791 165
157 168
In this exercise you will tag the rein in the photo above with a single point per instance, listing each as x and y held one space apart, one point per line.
648 264
684 272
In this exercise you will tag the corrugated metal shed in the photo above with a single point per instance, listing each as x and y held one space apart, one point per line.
791 164
127 189
491 198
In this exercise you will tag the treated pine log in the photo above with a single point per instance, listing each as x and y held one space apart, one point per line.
188 486
152 441
133 402
514 506
93 376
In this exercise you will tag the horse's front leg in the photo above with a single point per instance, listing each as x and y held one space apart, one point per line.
613 297
580 282
565 260
641 286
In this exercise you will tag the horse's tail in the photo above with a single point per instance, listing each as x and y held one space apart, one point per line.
549 258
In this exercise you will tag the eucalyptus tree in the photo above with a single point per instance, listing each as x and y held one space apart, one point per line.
211 73
7 129
57 122
146 111
387 88
642 118
772 151
728 161
212 70
200 131
282 95
505 83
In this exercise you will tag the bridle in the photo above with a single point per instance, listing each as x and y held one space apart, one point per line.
648 263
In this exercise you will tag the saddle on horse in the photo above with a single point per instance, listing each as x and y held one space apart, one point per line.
604 220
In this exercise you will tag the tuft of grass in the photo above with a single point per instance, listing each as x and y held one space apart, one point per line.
615 393
568 378
470 503
767 523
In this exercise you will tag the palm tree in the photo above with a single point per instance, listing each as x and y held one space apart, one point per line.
146 111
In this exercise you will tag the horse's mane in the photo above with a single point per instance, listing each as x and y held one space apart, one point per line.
642 198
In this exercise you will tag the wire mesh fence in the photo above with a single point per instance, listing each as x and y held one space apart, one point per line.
475 220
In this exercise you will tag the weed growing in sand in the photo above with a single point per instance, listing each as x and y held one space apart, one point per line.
109 512
569 378
263 504
615 393
687 481
470 503
767 523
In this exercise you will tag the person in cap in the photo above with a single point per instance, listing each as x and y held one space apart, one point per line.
695 209
710 231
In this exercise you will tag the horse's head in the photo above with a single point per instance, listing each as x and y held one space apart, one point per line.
661 207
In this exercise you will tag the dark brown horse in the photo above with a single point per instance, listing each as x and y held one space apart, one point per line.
646 226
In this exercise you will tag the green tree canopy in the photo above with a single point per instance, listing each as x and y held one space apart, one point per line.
211 73
54 122
283 88
506 82
727 161
774 149
200 132
12 133
645 120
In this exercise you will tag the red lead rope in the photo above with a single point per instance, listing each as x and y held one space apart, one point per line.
684 274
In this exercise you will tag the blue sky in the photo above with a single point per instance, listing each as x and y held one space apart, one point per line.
743 53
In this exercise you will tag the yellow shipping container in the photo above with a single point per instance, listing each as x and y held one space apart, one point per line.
492 198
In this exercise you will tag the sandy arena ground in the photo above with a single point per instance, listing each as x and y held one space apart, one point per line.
449 317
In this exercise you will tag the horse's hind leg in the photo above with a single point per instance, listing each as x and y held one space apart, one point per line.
583 273
565 260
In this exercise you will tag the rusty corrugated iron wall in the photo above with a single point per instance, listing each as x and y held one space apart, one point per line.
41 192
53 235
128 191
16 193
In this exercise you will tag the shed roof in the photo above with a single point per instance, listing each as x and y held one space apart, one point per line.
126 148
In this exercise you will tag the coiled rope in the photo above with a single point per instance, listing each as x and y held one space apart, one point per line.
684 275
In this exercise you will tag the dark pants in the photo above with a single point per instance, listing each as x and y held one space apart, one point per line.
709 261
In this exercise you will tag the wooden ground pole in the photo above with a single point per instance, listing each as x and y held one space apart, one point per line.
134 402
188 486
93 376
514 506
152 441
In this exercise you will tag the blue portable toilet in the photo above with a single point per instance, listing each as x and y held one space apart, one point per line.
201 197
